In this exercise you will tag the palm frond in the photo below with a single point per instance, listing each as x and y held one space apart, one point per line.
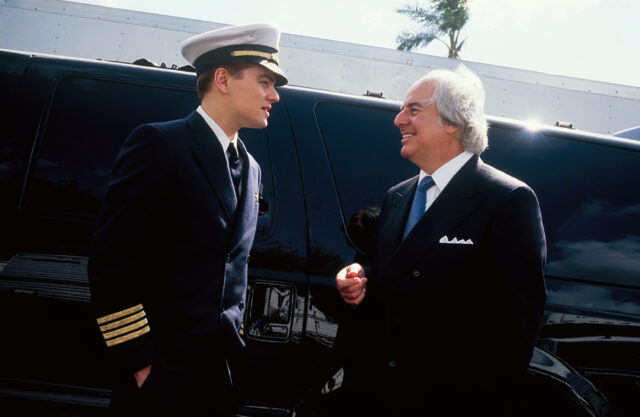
408 41
436 18
414 12
420 14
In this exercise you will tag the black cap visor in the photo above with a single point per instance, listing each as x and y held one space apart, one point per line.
271 66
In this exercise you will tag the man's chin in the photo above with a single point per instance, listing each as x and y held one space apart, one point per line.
258 125
410 155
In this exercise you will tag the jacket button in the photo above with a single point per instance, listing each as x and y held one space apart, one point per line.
391 364
416 273
228 257
241 306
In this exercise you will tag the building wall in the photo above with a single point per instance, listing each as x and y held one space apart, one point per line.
86 31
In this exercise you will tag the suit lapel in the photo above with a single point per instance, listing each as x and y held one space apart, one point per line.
248 196
452 206
392 228
212 160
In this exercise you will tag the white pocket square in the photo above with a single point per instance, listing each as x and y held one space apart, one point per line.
455 240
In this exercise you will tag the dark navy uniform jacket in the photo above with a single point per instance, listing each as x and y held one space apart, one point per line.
447 326
168 268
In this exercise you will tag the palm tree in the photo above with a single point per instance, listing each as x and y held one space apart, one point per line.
439 18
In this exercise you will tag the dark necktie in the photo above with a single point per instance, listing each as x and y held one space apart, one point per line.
419 203
234 167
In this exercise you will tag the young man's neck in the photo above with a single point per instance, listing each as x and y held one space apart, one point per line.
219 114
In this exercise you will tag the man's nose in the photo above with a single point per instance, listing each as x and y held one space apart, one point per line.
400 119
273 95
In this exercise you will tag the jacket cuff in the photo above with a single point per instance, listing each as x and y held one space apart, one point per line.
127 336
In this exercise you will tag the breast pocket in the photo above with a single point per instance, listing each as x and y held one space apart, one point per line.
451 259
455 249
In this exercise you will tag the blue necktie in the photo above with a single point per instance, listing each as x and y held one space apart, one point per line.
419 203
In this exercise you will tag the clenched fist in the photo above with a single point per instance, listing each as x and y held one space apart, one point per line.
352 284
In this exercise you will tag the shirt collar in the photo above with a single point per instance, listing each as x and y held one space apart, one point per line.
443 175
217 130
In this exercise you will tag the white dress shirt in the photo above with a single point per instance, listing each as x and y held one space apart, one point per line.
222 137
443 175
224 140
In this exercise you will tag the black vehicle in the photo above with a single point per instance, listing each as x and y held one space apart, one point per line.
631 133
324 156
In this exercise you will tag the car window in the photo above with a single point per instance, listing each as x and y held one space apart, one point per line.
87 121
363 147
589 198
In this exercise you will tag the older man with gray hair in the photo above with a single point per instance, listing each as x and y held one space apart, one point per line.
447 310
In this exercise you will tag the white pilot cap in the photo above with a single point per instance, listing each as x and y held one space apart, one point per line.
257 43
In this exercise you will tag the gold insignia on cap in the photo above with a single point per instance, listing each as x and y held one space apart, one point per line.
257 197
265 55
123 325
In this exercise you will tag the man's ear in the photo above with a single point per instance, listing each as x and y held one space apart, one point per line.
453 130
221 78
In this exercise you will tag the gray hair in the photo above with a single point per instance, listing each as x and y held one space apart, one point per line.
459 98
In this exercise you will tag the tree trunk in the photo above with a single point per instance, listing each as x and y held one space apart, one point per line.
453 47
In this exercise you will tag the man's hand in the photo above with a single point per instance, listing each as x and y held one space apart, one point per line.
352 284
142 375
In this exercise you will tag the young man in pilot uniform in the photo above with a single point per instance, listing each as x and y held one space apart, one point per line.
168 266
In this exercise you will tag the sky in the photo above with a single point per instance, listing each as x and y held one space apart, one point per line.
591 39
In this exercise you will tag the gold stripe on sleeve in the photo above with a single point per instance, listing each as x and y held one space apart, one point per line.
122 322
125 329
128 336
117 315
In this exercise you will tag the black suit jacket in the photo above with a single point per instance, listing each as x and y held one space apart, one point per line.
168 267
444 323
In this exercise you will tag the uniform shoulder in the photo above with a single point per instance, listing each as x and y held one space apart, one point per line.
170 127
159 128
155 141
170 134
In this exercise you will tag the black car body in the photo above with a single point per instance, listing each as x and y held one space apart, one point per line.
62 122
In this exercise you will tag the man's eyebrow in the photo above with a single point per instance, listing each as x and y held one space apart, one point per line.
269 77
412 105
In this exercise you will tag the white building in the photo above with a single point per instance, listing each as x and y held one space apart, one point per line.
86 31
